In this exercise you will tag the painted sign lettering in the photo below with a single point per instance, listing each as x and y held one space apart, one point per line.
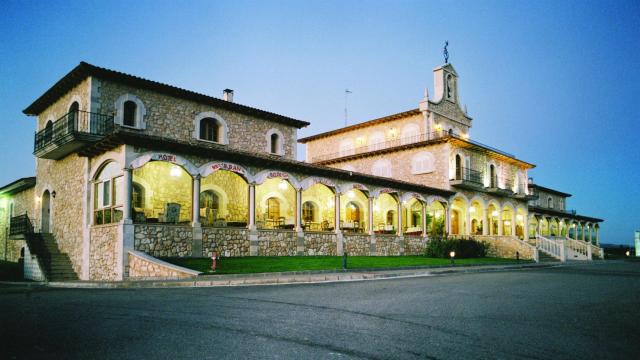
229 167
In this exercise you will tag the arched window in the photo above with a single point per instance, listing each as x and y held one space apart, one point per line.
376 141
458 167
382 168
422 163
550 202
391 215
48 131
137 196
210 130
353 211
410 134
129 114
275 143
73 116
209 200
308 211
108 195
493 177
273 208
346 147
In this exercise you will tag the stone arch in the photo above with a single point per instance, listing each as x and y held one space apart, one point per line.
410 133
168 157
351 186
222 197
263 175
224 136
213 166
75 98
312 180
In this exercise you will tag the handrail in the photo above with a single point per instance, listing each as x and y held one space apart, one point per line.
20 224
551 247
578 246
77 121
469 174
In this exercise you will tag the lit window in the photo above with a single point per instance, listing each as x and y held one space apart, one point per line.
308 211
273 208
108 195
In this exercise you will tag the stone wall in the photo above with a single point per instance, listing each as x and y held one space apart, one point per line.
507 246
174 118
320 243
143 266
225 241
163 240
415 245
31 268
22 204
388 245
103 255
357 245
66 178
277 243
80 93
401 165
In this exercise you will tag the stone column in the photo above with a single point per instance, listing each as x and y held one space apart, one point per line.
582 236
485 223
339 237
195 219
598 235
196 242
128 189
500 224
424 220
467 222
252 206
513 223
590 232
447 219
298 210
525 227
399 229
370 227
539 225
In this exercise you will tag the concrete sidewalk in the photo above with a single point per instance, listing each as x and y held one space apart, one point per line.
298 277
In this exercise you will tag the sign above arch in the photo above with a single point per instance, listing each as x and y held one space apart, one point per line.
210 168
377 192
167 157
310 181
264 175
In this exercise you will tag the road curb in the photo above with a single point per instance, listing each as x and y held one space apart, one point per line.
298 277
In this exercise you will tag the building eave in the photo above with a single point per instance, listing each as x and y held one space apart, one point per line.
551 191
562 214
360 125
84 70
17 186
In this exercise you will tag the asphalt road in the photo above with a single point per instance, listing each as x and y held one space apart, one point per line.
575 312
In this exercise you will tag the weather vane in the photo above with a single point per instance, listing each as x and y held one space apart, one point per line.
446 52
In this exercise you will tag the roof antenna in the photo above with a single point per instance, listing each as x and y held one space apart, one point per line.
346 113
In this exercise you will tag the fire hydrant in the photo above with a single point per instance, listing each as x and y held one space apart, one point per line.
214 261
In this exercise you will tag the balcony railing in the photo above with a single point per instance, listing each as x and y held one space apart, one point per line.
20 225
401 141
471 175
72 125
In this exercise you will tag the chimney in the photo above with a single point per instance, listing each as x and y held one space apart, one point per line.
227 95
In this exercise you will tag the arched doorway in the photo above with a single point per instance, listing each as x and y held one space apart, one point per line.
45 218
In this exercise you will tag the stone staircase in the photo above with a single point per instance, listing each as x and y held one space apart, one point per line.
544 257
55 265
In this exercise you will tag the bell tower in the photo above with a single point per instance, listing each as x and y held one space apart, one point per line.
446 84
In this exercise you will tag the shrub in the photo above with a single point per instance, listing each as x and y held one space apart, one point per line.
440 248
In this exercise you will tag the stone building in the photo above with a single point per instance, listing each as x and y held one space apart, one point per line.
128 169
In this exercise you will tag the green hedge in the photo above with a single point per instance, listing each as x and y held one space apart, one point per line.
441 247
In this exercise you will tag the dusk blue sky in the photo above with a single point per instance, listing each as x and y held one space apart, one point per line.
555 83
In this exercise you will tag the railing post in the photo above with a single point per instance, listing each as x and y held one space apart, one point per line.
563 251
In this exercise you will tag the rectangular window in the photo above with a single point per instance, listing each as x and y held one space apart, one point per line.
106 194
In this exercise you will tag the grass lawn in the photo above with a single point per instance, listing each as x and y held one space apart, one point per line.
261 264
9 271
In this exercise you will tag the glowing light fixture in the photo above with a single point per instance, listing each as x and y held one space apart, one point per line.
282 185
330 203
175 171
472 210
507 222
376 208
519 217
351 194
494 213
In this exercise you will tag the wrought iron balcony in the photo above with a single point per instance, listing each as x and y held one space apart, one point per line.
70 133
19 226
524 194
468 178
502 186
